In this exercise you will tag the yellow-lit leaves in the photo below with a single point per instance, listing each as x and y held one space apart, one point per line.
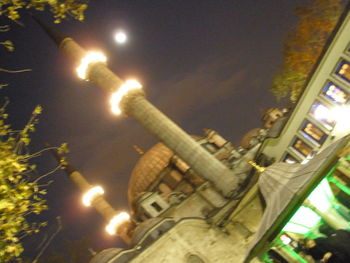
38 110
304 45
19 197
59 8
63 149
8 45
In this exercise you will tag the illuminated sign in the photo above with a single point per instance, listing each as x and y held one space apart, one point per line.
323 114
335 93
343 70
311 131
301 147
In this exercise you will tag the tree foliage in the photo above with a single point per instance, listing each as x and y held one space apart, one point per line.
304 45
20 194
59 8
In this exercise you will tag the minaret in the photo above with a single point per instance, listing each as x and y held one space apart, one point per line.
118 222
131 101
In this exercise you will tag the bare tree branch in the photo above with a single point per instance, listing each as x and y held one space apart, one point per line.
4 28
3 85
36 154
18 23
15 71
47 174
59 227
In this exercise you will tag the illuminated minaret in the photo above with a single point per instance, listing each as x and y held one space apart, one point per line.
128 98
117 222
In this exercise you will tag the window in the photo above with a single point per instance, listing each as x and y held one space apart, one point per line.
156 206
301 147
289 159
335 93
322 114
343 70
311 131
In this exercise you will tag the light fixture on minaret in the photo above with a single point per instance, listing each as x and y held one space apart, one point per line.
117 222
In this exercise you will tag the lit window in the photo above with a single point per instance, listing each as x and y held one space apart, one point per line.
311 131
323 114
343 70
302 221
335 93
301 147
322 196
289 159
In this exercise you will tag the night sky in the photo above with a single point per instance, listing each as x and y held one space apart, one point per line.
206 64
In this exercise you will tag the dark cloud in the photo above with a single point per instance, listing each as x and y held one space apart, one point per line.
201 88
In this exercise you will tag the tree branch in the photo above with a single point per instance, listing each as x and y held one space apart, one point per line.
4 28
15 71
59 227
47 174
3 85
37 154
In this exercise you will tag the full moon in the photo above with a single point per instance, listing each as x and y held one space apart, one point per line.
120 37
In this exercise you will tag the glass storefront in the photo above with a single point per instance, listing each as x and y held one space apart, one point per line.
323 207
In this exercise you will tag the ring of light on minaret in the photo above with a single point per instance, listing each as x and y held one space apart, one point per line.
91 194
116 221
117 96
120 37
90 58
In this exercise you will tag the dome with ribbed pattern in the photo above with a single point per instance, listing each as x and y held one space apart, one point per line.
147 170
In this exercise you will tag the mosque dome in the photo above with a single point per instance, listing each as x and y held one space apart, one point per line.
147 170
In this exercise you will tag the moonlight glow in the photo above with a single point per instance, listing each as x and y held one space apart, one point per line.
120 37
